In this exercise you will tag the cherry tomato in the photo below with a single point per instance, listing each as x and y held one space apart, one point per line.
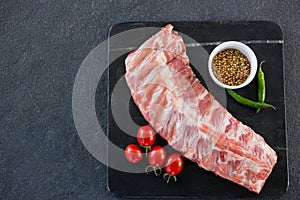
146 136
133 153
157 156
173 167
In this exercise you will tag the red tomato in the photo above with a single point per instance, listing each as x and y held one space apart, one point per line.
174 164
146 136
157 156
133 153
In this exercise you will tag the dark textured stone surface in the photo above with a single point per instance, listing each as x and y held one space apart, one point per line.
42 46
194 182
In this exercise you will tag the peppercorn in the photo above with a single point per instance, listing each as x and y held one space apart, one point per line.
231 67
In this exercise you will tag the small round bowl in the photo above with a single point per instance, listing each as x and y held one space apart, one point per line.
245 50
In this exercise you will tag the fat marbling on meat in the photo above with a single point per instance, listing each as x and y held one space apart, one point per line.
183 112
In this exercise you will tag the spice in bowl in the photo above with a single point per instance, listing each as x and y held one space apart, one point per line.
231 67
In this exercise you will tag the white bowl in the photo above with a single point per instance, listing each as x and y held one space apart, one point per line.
245 50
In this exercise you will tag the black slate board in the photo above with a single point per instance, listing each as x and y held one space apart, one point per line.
266 41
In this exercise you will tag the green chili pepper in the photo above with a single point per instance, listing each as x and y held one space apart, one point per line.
248 102
261 85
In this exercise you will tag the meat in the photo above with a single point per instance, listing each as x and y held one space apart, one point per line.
183 112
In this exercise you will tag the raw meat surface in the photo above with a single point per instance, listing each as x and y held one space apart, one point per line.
183 112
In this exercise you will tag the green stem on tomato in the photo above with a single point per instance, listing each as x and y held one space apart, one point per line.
167 177
156 170
147 149
148 169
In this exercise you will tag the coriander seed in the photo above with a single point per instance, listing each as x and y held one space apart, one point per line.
231 67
